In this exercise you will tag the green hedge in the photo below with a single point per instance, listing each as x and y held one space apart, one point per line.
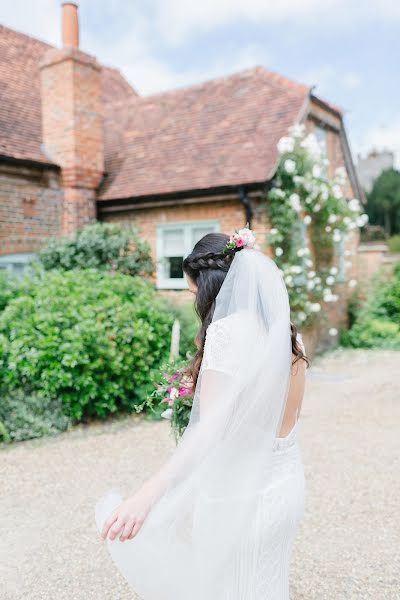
25 415
91 339
104 246
377 323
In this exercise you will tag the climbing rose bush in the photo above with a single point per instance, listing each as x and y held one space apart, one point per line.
303 196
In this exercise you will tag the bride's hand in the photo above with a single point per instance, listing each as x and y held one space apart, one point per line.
127 519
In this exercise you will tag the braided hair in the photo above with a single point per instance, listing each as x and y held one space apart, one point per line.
207 266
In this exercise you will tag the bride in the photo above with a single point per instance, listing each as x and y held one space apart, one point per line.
217 522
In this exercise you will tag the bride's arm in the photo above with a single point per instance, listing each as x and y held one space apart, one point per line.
129 516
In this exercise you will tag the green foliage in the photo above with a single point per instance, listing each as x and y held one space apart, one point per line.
26 415
384 201
394 243
100 246
8 288
189 323
88 338
377 322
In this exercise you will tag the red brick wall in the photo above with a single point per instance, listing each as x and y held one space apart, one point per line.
30 208
229 213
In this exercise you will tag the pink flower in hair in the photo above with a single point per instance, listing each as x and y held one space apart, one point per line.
239 242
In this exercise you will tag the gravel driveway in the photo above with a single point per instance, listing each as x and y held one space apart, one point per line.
348 546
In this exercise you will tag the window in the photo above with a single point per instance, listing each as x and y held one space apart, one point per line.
340 260
320 134
174 242
16 263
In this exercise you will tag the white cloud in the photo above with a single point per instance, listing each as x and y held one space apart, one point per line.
177 20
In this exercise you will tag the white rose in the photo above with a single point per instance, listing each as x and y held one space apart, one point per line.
273 231
328 229
289 166
301 316
332 219
311 274
286 144
297 130
307 220
316 171
317 207
294 201
167 414
330 280
354 205
248 236
333 271
278 251
316 307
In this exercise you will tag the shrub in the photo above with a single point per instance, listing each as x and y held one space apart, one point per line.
30 415
86 337
100 246
7 289
377 322
189 324
394 243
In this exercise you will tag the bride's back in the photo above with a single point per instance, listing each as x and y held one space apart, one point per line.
295 397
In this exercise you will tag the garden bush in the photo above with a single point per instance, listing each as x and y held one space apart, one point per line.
100 246
394 243
25 415
377 322
189 325
89 338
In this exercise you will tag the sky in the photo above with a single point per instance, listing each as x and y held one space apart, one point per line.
348 49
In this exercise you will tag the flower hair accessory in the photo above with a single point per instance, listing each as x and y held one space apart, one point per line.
242 238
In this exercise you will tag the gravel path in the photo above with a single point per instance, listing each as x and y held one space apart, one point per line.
348 546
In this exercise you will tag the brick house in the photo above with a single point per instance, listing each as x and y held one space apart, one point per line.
78 143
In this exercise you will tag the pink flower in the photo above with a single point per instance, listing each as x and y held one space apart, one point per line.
239 242
183 391
232 237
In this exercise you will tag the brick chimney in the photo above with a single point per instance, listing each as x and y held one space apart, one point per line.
72 125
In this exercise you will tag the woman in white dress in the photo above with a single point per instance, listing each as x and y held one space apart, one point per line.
218 521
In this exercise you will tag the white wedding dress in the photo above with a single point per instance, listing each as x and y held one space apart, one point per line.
224 528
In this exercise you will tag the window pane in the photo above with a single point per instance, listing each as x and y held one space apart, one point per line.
175 267
173 242
199 232
320 134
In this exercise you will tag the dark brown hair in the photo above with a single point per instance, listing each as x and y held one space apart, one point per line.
207 266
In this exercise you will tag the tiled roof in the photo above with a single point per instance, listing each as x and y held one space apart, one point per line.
220 133
20 104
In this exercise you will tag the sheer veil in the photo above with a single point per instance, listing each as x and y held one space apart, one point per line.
216 476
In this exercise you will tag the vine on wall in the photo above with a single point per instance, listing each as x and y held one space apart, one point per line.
309 214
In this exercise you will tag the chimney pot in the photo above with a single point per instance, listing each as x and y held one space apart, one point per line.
70 26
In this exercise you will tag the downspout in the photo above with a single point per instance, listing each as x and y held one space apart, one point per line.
245 201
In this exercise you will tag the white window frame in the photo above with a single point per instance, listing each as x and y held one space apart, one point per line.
168 283
8 262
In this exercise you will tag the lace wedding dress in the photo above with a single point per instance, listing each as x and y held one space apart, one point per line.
224 525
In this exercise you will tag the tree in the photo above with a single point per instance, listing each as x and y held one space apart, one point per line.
384 201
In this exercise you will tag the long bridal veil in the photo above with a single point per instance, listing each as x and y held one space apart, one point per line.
216 476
